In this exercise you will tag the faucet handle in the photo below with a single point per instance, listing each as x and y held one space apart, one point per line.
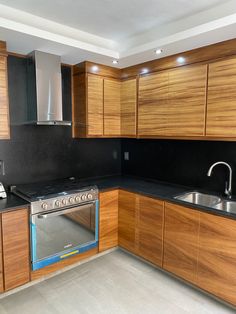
226 188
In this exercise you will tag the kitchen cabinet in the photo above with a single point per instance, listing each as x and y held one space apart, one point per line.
221 109
150 229
181 241
127 220
128 107
15 243
1 264
112 107
186 101
217 256
4 102
152 104
108 220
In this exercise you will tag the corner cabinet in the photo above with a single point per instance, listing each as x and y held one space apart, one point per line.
103 105
4 102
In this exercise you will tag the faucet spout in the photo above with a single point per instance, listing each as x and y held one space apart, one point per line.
228 187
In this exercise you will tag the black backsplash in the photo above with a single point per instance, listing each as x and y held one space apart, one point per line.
180 162
37 153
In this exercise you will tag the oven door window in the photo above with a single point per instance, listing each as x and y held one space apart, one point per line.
63 230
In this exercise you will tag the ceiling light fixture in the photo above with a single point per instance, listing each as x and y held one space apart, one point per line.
115 61
158 51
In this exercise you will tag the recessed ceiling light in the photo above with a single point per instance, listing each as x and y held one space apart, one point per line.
180 59
158 51
114 61
144 71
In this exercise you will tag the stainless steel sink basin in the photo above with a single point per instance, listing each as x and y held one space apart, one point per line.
228 206
199 198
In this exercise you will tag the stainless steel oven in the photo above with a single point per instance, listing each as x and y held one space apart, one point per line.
58 234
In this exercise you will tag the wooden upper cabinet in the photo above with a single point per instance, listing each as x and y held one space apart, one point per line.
112 108
152 104
186 101
128 107
150 229
16 257
217 256
95 105
127 219
221 100
181 241
1 259
4 102
108 220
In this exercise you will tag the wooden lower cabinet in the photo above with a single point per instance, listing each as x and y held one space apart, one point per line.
1 265
15 242
150 229
217 256
127 220
181 241
108 220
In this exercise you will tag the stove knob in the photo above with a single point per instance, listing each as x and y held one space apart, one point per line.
64 201
71 200
77 199
44 206
90 196
57 203
84 197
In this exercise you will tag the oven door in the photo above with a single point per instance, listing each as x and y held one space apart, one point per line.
63 233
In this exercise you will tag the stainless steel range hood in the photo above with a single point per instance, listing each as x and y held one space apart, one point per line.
44 89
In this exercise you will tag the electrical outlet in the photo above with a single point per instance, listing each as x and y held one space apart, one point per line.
114 154
2 168
126 155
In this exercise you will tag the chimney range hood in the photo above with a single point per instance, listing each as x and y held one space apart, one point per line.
44 86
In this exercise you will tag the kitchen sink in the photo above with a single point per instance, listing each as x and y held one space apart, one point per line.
225 205
200 199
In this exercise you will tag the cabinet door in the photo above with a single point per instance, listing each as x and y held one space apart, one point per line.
152 103
187 101
128 107
150 229
127 221
108 220
217 256
181 241
112 124
221 109
4 107
95 106
1 266
16 259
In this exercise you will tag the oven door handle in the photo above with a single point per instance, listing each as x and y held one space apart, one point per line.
65 211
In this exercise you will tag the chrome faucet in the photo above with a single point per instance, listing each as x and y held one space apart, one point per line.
228 186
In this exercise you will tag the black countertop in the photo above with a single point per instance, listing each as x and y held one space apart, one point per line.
157 189
12 202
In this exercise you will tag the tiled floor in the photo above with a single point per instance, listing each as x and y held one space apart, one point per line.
116 283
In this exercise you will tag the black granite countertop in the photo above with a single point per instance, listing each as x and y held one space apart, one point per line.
157 189
12 202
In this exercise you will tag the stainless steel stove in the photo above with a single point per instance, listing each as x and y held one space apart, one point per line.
63 220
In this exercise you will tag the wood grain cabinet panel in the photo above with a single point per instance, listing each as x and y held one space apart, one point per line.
128 107
221 100
181 241
1 258
108 220
4 105
112 112
127 221
186 101
217 256
152 104
95 105
150 229
16 259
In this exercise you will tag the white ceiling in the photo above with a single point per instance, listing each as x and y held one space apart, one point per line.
101 30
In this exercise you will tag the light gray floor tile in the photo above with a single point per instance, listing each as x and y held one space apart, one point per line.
116 283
